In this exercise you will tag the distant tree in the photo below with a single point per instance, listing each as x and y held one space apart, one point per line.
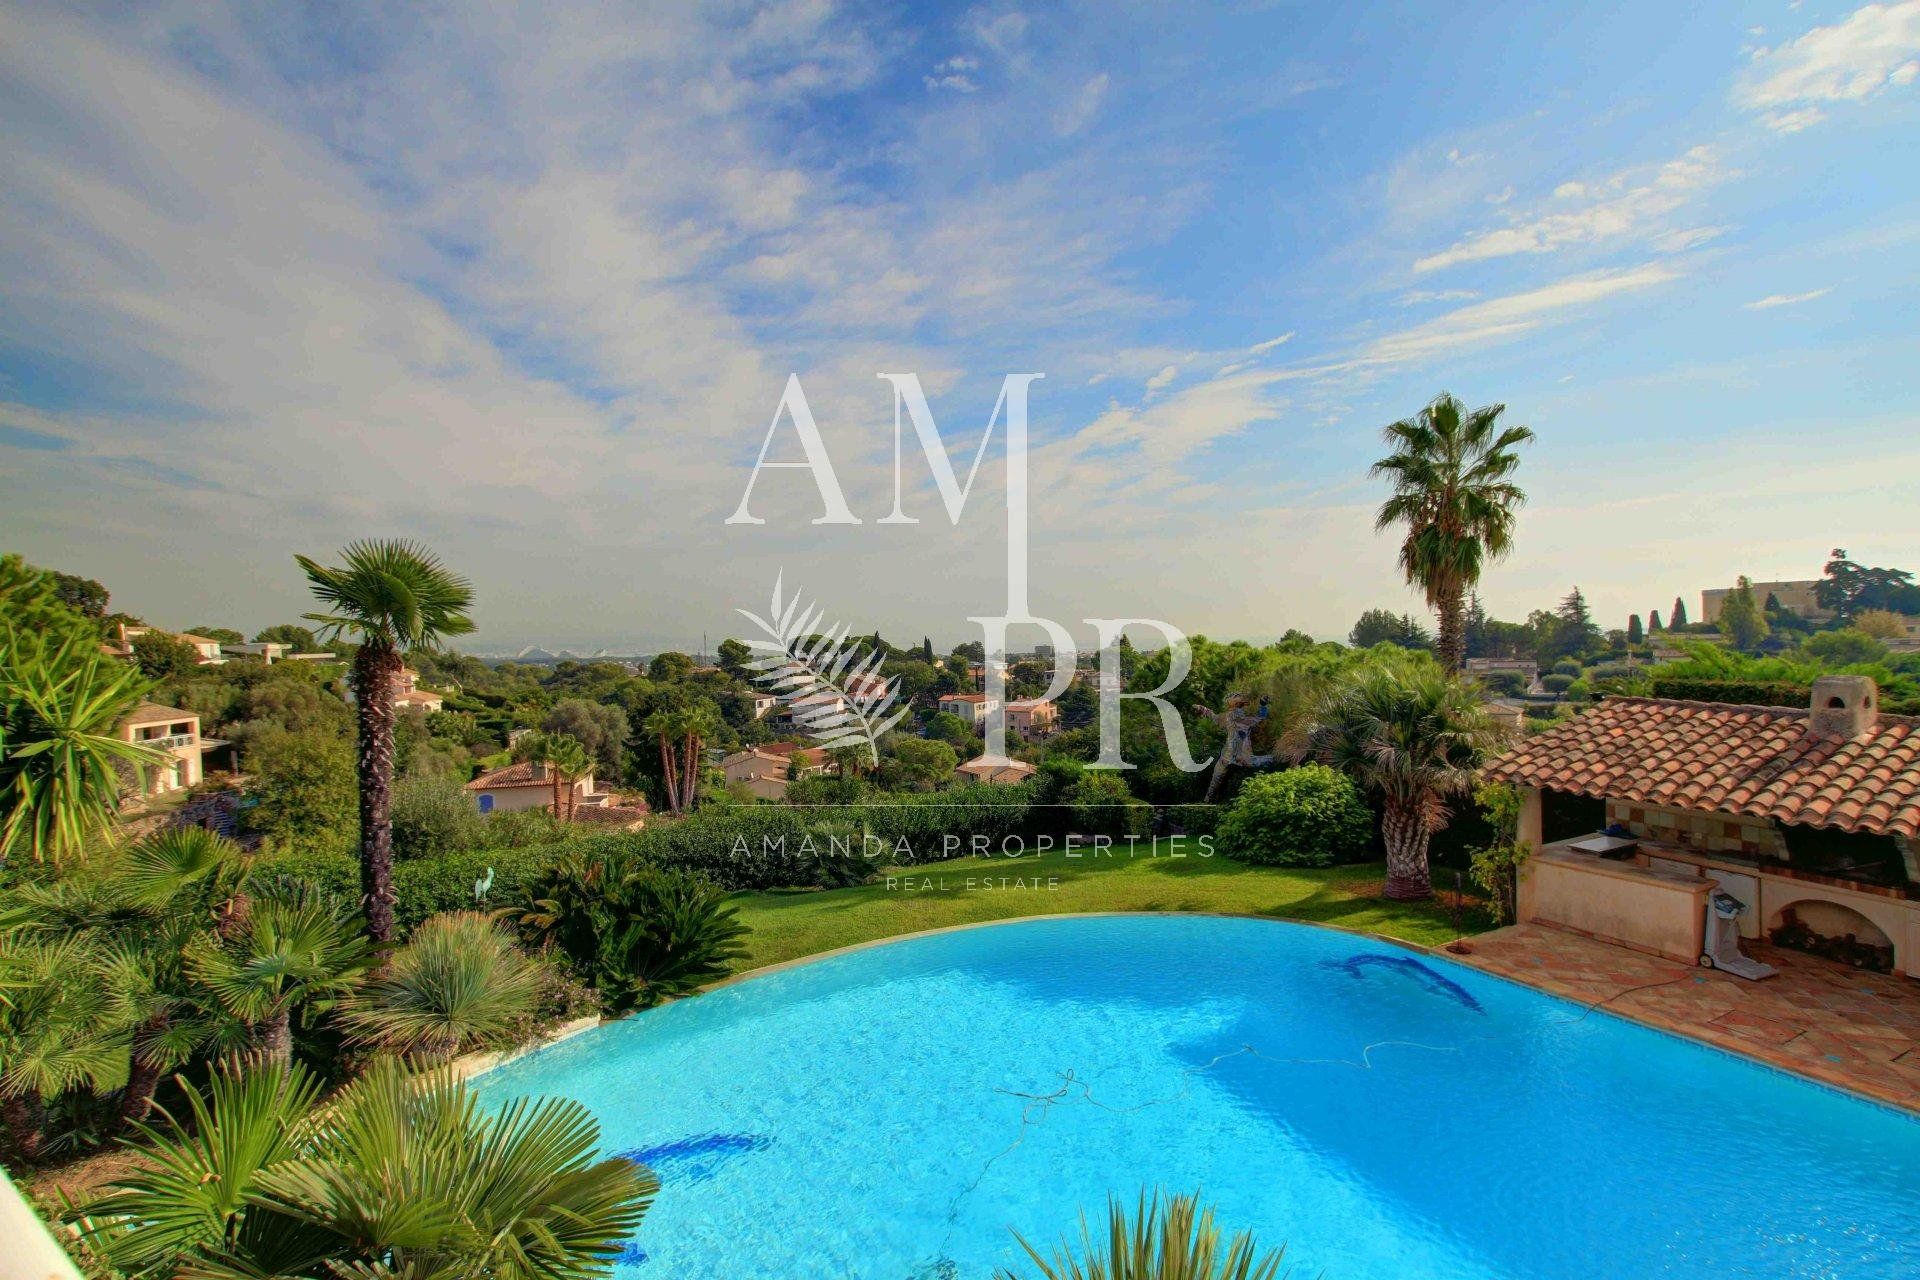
1378 626
82 595
1773 603
1678 618
1881 624
944 726
161 657
668 667
1848 588
1635 634
602 728
225 635
733 656
1653 622
1846 648
303 788
926 650
1451 473
1575 632
971 651
296 638
1742 618
918 764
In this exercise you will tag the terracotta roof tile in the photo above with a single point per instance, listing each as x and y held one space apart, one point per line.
1759 762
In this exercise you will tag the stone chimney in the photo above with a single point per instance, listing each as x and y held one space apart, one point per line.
539 770
1843 706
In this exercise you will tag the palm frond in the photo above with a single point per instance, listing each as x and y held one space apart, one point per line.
807 668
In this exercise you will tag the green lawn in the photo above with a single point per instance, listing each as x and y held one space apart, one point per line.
788 925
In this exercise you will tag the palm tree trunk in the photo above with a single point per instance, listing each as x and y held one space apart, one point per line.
1405 832
689 772
374 669
1452 641
670 774
26 1120
276 1038
143 1076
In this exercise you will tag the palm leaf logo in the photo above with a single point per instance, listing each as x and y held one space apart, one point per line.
831 689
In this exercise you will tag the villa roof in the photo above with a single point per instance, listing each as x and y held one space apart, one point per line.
963 697
518 774
155 712
190 638
1759 762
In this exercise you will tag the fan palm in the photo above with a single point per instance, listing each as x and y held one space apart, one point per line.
62 765
566 760
682 732
1450 470
392 597
459 983
58 1029
1166 1239
401 1175
1413 737
297 949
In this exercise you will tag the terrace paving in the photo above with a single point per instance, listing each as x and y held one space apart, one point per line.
1850 1028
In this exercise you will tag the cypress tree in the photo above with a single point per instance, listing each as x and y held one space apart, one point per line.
1634 634
1653 622
1678 618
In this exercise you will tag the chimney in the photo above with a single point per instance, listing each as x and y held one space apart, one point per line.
1843 706
539 770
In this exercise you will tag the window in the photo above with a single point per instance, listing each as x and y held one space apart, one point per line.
486 802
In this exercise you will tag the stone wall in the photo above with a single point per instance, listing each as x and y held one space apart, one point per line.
1701 832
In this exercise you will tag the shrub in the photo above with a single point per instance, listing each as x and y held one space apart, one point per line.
1166 1237
458 983
1102 805
1312 816
1506 684
1194 819
1566 667
434 816
1558 682
640 933
425 887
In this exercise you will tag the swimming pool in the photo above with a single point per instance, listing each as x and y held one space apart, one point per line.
889 1114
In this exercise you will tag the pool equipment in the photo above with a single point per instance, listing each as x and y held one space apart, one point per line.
1723 939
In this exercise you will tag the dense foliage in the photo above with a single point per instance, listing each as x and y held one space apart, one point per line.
1311 816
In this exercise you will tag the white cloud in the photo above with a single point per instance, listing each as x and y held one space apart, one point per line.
954 73
1875 49
1420 297
1773 300
1506 316
1261 348
1628 205
1082 107
1164 378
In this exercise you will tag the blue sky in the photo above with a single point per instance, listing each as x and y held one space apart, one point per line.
527 283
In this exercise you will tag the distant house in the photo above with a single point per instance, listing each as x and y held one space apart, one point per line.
1799 596
410 697
272 651
174 733
528 785
866 685
1032 718
763 704
971 707
206 652
813 703
765 770
1013 771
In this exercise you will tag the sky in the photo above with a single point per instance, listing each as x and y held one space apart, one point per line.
527 284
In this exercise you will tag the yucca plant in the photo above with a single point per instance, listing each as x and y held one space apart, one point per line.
459 983
1166 1238
401 1175
297 950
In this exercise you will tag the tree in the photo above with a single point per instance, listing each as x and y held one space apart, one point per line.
1635 634
1741 617
681 732
1847 588
669 667
82 595
1881 624
31 601
1654 623
225 635
296 947
564 759
402 1174
1311 816
926 650
1677 619
296 638
600 727
1413 737
459 983
163 657
733 657
61 759
1576 633
1847 648
1379 626
919 764
1450 471
304 791
393 597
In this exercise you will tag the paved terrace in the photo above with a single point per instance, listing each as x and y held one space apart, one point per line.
1846 1027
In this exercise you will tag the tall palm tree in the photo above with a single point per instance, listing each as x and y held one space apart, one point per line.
62 765
297 949
682 733
401 1174
1450 470
393 597
1414 737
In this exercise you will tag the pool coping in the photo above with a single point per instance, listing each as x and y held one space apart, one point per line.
482 1063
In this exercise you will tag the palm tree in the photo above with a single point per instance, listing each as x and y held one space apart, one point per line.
393 597
402 1174
1451 490
58 1029
565 758
62 765
296 949
1168 1238
1414 737
682 733
459 983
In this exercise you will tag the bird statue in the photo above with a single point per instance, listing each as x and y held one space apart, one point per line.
482 886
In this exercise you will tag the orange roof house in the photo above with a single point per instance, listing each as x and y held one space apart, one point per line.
1809 816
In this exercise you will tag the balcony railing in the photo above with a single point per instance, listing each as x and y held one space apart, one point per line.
169 741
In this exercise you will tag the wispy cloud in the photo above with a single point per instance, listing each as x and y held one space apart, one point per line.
1080 109
1513 314
1773 300
1627 204
1875 49
1261 348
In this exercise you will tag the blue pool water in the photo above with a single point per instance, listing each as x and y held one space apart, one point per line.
890 1114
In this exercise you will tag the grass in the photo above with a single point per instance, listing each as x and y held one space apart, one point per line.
790 925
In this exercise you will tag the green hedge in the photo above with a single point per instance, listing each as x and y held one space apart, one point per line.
422 887
1759 693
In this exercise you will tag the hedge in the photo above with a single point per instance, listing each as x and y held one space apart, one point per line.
422 887
1759 693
